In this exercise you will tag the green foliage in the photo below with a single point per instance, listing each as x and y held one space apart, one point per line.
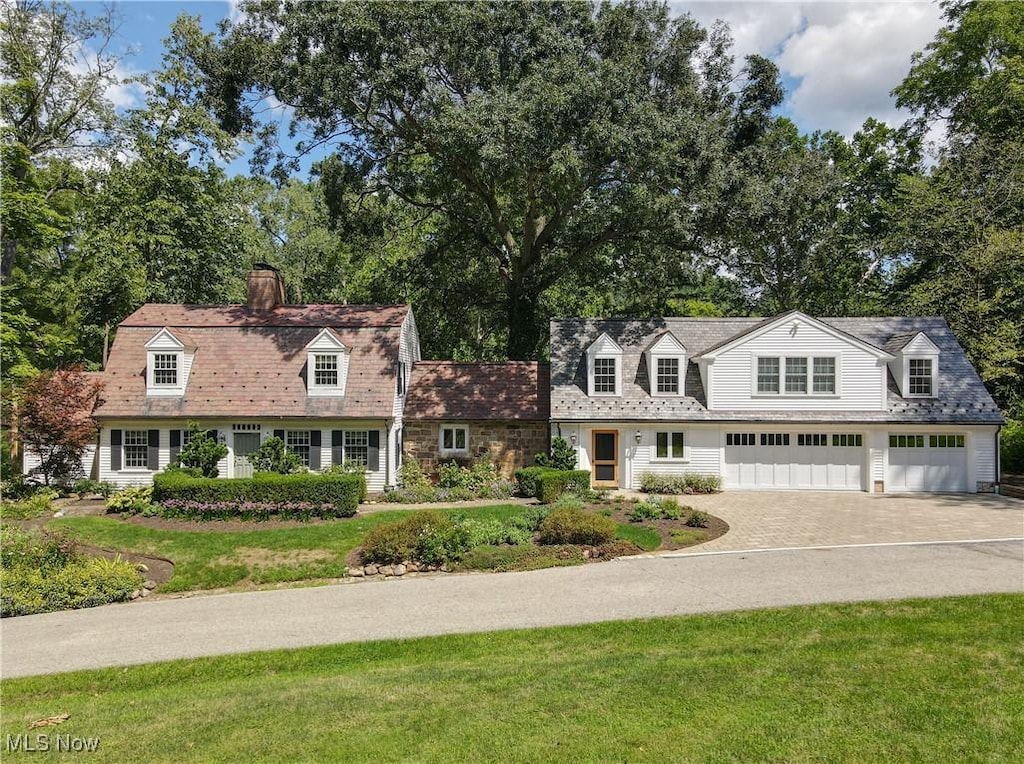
35 505
456 483
500 559
202 451
561 457
688 536
670 509
1011 447
690 483
495 532
526 480
412 476
530 518
347 467
274 456
553 483
574 526
131 500
88 486
342 491
644 510
428 537
40 573
698 519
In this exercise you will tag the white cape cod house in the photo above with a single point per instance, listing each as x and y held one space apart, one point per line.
791 402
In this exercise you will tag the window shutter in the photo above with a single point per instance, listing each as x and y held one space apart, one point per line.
373 452
314 449
337 438
115 450
279 434
214 435
153 452
175 445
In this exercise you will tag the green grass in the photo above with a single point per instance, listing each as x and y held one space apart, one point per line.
688 535
266 555
919 680
645 538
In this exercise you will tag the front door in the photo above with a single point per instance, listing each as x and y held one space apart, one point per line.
245 443
606 458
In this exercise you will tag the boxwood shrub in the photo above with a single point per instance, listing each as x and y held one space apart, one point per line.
526 480
551 484
342 491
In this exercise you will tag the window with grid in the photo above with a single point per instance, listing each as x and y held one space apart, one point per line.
811 439
920 376
604 375
668 375
739 439
946 441
454 438
669 445
325 372
767 375
298 441
136 448
796 375
906 441
846 440
824 375
357 446
165 369
774 438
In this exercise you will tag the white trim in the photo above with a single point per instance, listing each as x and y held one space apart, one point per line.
454 451
782 392
934 359
604 348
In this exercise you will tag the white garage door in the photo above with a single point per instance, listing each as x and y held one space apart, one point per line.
927 463
814 460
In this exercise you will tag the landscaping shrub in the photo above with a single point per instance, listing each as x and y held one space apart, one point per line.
526 480
456 483
427 537
553 483
34 505
202 452
88 487
1011 446
131 500
495 533
42 573
274 456
562 456
670 509
342 491
690 483
244 510
523 557
644 510
574 526
698 519
531 518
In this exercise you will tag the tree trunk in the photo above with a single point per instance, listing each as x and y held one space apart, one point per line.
524 332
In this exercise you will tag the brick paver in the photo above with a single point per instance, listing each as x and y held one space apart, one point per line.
774 519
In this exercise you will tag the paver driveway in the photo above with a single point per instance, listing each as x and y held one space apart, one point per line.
779 519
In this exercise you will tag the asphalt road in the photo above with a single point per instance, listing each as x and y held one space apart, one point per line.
157 630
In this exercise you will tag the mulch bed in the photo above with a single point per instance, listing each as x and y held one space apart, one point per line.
160 569
620 513
225 526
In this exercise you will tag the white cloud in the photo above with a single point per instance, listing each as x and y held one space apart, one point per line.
843 57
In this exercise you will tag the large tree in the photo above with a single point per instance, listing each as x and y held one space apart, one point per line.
550 139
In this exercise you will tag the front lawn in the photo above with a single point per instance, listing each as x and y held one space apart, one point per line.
918 680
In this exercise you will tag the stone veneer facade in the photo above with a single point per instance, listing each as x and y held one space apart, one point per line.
510 445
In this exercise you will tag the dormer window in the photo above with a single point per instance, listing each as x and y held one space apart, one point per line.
604 367
168 360
165 369
919 376
326 365
666 365
668 376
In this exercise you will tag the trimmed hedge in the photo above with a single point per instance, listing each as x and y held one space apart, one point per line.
526 480
689 483
553 483
342 491
574 526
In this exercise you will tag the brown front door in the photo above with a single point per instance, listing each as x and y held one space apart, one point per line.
606 458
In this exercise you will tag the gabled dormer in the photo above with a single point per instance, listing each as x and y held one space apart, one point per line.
916 366
326 365
666 366
604 368
168 360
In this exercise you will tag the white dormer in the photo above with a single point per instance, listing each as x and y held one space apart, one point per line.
917 368
604 367
326 365
168 361
666 366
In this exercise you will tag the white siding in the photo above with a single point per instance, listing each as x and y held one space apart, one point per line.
702 448
985 456
859 377
31 460
375 480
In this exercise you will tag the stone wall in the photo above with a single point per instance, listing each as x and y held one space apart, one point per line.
510 445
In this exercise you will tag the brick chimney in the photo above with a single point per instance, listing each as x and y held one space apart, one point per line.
266 287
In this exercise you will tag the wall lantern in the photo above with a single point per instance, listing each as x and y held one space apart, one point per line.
639 437
572 438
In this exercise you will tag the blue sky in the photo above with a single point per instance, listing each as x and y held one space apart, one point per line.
838 60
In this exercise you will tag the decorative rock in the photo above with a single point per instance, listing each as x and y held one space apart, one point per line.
444 568
149 583
370 570
586 554
399 570
143 592
59 513
356 572
142 567
386 570
134 595
412 567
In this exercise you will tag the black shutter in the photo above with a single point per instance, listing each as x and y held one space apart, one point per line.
337 439
115 450
214 435
175 445
373 452
153 453
314 449
279 434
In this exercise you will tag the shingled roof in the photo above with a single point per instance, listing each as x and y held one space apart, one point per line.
516 390
252 363
961 398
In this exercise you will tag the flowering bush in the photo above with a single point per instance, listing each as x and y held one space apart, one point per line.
245 510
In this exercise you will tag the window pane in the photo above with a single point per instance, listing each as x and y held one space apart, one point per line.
920 376
662 445
165 368
136 448
604 375
796 375
326 370
767 375
357 446
298 441
668 375
460 439
448 438
824 375
677 445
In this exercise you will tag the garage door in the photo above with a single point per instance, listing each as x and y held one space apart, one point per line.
812 460
927 463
